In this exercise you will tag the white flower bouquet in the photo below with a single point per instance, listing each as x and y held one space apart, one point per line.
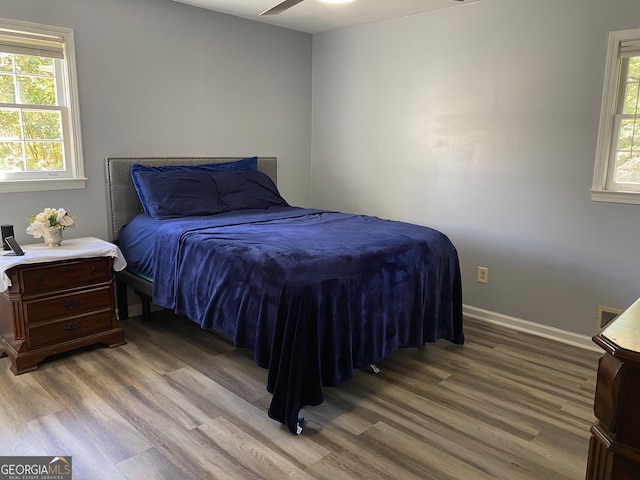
50 218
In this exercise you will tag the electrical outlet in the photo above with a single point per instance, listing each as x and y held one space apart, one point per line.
483 274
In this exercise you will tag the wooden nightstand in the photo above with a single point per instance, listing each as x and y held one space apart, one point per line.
55 306
614 448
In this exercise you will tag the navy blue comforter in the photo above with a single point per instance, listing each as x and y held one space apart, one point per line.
313 294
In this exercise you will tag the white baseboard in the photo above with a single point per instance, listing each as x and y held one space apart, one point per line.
570 338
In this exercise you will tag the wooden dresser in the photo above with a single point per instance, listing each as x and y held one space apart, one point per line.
54 307
614 448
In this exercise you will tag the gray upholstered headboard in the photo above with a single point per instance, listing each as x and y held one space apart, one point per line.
122 200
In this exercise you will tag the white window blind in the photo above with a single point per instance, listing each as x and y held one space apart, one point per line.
629 48
31 44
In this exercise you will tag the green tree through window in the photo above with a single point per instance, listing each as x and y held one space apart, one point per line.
628 151
30 138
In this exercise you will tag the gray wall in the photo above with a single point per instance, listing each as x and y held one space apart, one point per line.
481 121
478 120
162 78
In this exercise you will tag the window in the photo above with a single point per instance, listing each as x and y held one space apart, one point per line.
40 144
617 170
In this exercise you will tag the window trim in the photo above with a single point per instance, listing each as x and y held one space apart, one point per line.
73 156
601 190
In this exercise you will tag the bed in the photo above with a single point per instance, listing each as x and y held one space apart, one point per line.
313 294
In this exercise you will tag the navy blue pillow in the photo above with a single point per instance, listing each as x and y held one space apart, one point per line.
178 193
246 189
248 163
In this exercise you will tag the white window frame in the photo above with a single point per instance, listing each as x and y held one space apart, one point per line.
603 188
73 177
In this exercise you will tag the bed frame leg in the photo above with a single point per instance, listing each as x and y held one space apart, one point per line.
121 296
145 300
146 309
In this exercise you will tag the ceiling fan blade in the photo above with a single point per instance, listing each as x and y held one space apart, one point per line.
281 7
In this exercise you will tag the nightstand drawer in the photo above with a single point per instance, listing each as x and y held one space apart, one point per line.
71 304
48 334
48 278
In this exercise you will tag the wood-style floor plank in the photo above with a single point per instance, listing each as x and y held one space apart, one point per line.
180 402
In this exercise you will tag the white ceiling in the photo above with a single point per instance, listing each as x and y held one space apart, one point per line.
314 16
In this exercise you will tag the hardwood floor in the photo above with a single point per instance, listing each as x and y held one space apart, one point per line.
180 403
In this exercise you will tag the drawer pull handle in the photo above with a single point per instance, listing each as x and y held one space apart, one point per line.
39 279
69 304
94 270
72 326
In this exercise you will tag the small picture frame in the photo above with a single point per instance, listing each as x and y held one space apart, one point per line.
15 246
